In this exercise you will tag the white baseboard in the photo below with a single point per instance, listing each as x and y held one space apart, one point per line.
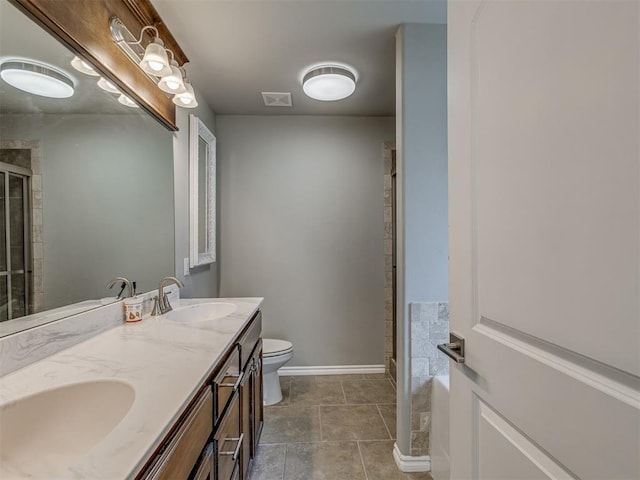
330 370
407 463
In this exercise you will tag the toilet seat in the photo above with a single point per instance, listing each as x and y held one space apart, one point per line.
275 348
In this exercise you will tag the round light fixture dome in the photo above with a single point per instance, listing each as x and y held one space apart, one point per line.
329 83
37 79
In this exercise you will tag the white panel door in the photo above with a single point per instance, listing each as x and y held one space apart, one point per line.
544 206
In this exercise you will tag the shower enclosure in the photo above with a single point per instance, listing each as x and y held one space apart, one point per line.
15 244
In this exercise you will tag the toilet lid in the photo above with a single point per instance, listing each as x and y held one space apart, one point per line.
272 347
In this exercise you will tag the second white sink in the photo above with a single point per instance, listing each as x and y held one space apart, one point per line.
202 312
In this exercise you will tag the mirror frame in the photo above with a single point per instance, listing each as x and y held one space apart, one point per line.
198 130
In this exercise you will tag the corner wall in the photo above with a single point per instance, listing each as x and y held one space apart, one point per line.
301 222
202 281
422 224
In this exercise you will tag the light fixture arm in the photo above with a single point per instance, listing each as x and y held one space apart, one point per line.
144 29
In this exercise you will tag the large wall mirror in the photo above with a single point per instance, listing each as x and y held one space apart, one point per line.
86 184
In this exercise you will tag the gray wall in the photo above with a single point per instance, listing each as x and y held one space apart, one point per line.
421 116
108 200
202 281
301 221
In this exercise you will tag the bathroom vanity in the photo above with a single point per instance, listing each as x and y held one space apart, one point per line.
177 396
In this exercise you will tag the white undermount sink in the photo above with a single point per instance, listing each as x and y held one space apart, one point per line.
45 433
201 312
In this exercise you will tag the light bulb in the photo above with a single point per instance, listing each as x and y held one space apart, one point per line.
155 66
172 85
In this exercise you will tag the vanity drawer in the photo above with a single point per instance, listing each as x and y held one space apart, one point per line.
226 383
184 448
228 442
250 338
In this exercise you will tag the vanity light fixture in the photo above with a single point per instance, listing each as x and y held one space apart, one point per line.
172 83
154 61
187 99
83 67
329 83
126 101
36 78
107 86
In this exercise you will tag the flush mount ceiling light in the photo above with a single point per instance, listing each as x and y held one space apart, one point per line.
37 79
83 67
329 83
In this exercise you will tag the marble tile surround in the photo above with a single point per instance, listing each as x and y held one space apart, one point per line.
29 346
429 327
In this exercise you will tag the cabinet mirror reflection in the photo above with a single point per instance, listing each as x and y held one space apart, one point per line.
86 183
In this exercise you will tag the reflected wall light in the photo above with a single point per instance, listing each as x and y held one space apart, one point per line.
83 67
107 86
37 78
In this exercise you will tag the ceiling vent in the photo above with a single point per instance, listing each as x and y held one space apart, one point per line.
277 99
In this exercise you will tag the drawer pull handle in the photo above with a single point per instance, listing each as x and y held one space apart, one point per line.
234 385
235 453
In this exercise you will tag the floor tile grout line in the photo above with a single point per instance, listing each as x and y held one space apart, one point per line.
364 467
384 422
320 420
284 460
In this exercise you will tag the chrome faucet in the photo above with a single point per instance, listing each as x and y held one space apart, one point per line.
127 283
161 303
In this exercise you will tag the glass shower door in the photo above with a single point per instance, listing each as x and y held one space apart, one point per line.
14 245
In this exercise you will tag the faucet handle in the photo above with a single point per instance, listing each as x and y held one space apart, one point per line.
157 308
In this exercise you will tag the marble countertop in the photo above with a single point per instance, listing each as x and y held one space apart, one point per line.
165 361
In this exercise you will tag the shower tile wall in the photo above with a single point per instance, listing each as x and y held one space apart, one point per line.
429 327
26 154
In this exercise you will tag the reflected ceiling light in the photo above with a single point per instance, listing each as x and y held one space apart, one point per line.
37 79
187 99
126 101
173 83
329 83
107 86
83 67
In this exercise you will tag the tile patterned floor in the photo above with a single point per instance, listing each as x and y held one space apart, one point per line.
334 427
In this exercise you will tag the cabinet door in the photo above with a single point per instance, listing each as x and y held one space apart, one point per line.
257 405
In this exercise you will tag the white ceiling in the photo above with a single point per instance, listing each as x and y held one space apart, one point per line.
240 48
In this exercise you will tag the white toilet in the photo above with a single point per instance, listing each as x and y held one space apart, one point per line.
275 354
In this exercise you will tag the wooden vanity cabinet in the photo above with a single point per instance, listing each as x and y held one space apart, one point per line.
217 437
181 452
251 398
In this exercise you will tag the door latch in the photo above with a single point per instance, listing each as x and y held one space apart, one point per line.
454 349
